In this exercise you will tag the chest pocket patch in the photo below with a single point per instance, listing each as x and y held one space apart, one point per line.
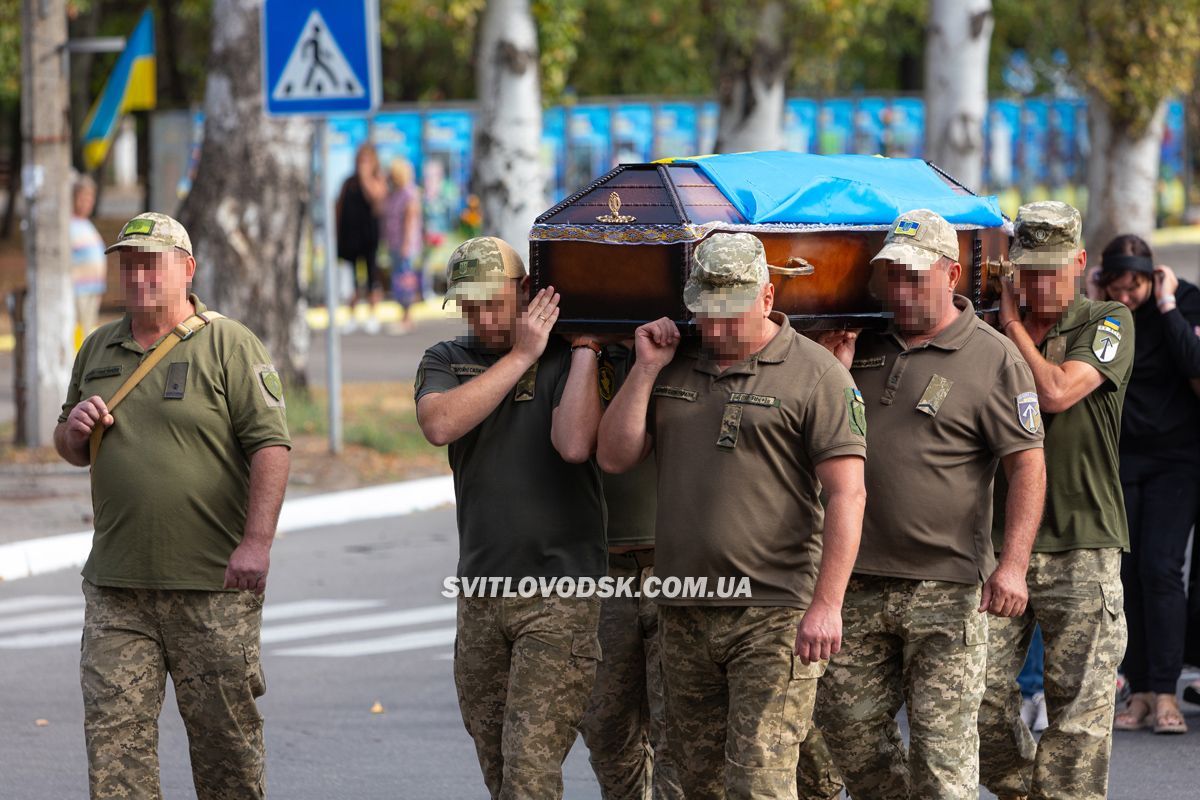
468 370
176 381
935 394
868 363
527 386
731 426
674 392
1056 350
764 400
103 372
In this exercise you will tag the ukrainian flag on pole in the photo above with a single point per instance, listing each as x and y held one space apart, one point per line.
131 87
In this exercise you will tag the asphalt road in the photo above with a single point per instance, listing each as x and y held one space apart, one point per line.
355 617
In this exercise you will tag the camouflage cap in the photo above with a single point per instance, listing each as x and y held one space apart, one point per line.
1045 235
479 267
152 232
728 272
918 239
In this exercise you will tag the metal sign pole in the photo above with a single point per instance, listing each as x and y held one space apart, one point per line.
333 347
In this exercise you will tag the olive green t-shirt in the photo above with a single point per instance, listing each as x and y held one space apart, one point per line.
631 497
171 481
941 415
1085 508
522 511
736 453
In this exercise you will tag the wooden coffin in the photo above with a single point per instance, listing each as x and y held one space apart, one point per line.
619 252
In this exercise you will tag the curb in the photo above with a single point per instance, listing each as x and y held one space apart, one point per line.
30 557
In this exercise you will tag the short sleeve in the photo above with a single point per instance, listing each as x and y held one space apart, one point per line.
254 393
835 422
434 374
1106 343
1010 417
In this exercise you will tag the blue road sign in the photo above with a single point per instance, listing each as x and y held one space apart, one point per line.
320 57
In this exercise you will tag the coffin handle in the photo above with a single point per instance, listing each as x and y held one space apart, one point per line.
794 266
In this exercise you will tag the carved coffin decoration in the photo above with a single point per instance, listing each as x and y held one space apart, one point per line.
619 252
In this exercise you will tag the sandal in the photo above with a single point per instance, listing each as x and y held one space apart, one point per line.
1138 714
1168 718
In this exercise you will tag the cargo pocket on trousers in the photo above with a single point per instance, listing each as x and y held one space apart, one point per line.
254 671
1113 596
974 662
799 700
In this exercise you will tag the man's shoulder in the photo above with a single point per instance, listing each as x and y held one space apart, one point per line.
990 349
1100 310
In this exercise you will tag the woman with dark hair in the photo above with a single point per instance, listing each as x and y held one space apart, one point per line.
357 224
1160 475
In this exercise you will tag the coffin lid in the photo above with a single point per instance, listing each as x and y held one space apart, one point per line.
683 200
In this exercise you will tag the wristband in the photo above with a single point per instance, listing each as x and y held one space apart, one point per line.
593 346
1004 327
1166 298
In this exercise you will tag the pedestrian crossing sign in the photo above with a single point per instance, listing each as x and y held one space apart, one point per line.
320 57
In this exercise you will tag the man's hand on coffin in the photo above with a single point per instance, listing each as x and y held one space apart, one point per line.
840 343
655 343
533 328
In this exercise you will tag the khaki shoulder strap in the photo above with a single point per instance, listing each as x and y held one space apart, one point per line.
184 330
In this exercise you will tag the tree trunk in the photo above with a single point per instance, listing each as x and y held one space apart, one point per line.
247 207
956 72
751 87
1122 177
508 173
49 313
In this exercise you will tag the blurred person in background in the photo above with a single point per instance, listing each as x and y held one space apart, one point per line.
89 265
402 233
358 208
1160 475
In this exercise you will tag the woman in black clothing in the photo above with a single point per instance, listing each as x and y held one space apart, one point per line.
357 225
1160 474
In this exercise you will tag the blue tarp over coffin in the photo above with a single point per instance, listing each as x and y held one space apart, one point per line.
800 188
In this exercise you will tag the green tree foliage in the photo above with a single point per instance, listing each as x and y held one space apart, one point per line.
1132 54
10 51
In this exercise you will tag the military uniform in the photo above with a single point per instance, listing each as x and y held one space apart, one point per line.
523 666
624 727
170 489
1075 590
736 451
941 415
1074 579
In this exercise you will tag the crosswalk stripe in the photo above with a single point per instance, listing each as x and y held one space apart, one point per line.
366 622
30 641
47 619
15 605
272 614
312 608
436 637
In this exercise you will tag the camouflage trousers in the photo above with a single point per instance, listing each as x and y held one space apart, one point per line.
817 777
922 644
1077 599
208 642
624 727
524 669
739 702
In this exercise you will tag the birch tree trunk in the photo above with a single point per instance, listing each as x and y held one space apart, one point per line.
751 87
508 173
247 207
956 70
1122 177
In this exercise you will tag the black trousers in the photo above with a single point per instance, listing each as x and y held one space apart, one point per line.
1161 502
